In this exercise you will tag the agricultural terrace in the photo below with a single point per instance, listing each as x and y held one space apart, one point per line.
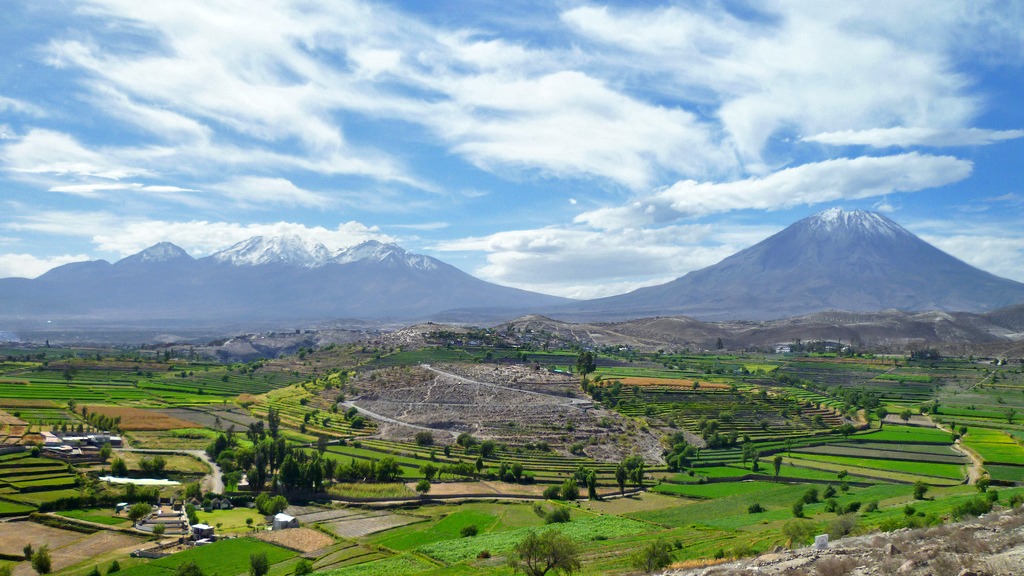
716 454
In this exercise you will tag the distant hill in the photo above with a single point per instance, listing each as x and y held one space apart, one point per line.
261 280
856 261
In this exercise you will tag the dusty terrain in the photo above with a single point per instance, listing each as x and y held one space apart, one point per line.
505 403
992 545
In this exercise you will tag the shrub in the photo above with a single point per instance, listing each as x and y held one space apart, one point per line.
919 490
484 554
811 496
114 567
831 505
755 508
798 509
557 516
830 491
799 532
654 556
842 525
552 492
973 507
871 506
469 531
851 508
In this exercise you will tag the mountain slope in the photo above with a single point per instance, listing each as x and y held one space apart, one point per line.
265 280
855 261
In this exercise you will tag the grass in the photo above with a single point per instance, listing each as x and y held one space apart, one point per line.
581 530
226 557
95 516
13 508
361 490
391 566
930 469
231 521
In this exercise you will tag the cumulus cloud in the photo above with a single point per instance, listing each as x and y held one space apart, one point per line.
28 266
807 184
1001 255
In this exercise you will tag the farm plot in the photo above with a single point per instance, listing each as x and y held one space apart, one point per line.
856 451
214 417
928 472
15 535
357 526
299 539
139 418
995 446
88 547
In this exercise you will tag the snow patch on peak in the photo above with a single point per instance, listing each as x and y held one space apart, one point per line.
835 219
375 251
161 252
289 249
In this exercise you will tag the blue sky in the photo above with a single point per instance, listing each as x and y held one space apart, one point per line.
573 148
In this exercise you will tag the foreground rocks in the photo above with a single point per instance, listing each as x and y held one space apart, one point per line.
992 545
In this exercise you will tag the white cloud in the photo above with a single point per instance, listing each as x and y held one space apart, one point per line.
256 192
909 136
124 236
813 67
20 107
55 153
29 266
1000 255
807 184
552 260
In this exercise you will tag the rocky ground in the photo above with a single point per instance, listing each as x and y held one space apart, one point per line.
513 404
992 545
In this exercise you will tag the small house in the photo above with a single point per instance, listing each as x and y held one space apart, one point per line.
225 504
283 521
200 531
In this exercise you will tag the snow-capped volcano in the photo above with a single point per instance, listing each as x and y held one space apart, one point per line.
286 249
835 221
375 251
855 261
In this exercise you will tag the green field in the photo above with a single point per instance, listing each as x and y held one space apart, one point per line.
223 557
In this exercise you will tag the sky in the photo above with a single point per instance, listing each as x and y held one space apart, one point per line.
573 148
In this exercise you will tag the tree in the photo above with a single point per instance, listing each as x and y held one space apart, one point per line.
41 560
487 448
919 490
119 468
273 422
258 564
585 363
429 471
654 556
159 530
69 373
115 566
570 490
303 568
1010 415
719 344
189 568
881 412
106 450
846 430
94 572
905 415
139 511
777 463
620 478
425 438
321 444
538 554
422 487
798 509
